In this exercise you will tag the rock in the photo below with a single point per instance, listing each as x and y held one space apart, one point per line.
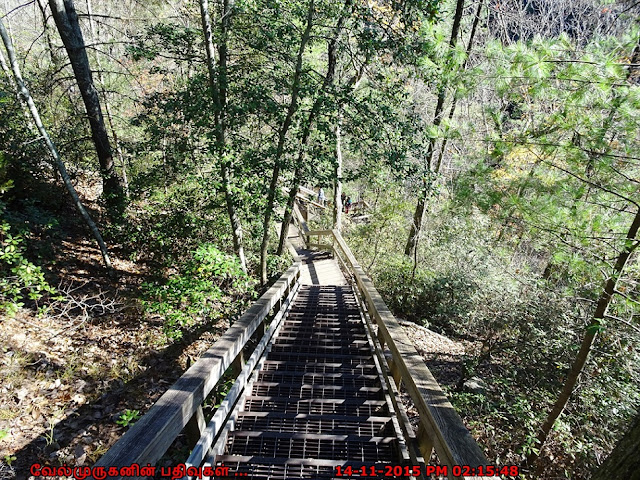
475 385
80 455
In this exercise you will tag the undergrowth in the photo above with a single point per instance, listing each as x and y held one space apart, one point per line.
524 333
205 287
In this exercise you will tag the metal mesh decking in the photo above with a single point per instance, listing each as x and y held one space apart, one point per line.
318 401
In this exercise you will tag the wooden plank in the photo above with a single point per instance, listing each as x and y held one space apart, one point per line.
152 435
310 201
396 373
307 191
321 246
195 427
302 223
346 251
322 233
401 420
316 204
425 443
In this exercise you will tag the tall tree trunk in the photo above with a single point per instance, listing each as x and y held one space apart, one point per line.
282 135
26 97
332 60
107 109
427 181
337 186
219 94
55 58
66 19
288 209
585 348
624 462
452 110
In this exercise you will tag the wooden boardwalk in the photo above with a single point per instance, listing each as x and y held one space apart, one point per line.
318 268
317 397
319 403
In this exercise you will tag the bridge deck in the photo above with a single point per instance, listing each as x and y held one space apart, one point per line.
318 401
318 268
321 395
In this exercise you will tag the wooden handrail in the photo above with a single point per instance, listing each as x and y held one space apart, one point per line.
306 191
303 228
441 428
153 434
311 202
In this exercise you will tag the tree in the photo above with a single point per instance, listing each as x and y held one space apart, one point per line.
283 130
23 92
623 463
320 100
107 109
218 85
427 181
600 315
337 185
53 52
454 102
563 157
66 19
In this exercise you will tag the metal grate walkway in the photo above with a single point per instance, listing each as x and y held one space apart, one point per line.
318 401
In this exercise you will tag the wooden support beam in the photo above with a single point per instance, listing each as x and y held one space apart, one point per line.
307 191
425 443
321 233
237 364
396 373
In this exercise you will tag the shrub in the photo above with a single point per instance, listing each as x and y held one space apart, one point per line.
436 299
19 278
207 284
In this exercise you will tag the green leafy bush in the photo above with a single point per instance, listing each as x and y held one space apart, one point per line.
19 278
426 297
207 285
128 417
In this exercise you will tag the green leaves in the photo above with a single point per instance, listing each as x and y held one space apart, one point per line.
596 328
208 284
570 110
19 278
166 39
128 417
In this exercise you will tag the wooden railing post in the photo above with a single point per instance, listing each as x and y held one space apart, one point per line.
425 443
238 362
194 428
395 371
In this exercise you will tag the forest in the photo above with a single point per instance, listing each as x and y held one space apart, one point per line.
150 157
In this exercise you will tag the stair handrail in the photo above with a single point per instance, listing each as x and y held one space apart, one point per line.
181 405
441 428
